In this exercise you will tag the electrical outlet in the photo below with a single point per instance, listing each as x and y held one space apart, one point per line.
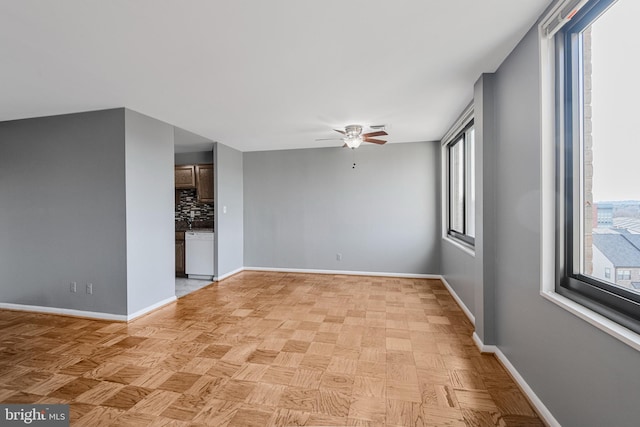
90 288
338 256
73 287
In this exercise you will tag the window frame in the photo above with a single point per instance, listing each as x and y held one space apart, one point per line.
623 274
610 301
460 137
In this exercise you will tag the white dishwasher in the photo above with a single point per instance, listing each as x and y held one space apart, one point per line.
199 254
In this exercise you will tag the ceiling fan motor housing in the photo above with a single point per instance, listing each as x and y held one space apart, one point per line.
353 130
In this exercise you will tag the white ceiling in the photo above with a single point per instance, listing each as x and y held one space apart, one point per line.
255 74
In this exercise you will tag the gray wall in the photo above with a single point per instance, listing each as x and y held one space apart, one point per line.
585 377
468 273
459 270
150 211
193 158
229 194
486 195
457 265
304 206
62 211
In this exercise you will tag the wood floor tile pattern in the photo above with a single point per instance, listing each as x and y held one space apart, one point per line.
268 349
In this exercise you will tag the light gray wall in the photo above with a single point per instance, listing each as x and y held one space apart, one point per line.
62 211
585 377
229 227
458 266
304 206
459 270
150 211
193 158
467 273
486 195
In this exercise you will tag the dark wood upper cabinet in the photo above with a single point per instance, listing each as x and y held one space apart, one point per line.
185 176
204 183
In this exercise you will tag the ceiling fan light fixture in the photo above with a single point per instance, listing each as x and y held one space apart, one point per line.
353 130
353 136
353 141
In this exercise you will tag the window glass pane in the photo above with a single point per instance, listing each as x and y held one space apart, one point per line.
456 190
610 237
471 183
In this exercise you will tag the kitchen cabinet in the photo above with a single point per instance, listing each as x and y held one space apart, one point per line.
204 183
185 176
180 253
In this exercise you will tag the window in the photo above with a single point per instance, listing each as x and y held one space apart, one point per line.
460 152
623 275
596 95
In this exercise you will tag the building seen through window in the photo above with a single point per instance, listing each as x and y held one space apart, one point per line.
598 215
611 172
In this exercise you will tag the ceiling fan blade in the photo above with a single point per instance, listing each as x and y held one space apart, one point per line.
375 141
329 139
376 133
340 131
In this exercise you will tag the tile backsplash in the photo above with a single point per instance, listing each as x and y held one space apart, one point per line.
189 202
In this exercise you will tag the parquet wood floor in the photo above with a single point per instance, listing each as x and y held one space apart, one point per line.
268 349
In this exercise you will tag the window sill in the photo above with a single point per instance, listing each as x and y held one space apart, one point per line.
606 325
460 245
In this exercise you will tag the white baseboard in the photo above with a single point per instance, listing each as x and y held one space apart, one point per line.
462 305
152 307
86 314
482 347
64 312
229 274
539 407
345 272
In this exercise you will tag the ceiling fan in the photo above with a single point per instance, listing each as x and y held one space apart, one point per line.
353 136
